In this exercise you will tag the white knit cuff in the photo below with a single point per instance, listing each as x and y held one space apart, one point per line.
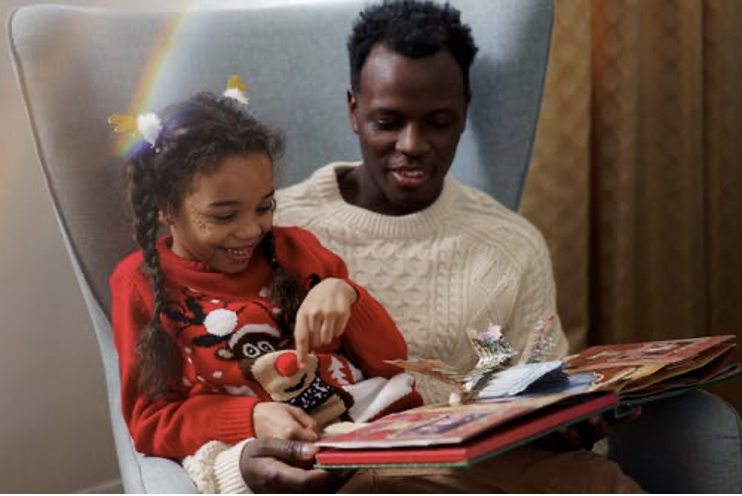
227 470
215 468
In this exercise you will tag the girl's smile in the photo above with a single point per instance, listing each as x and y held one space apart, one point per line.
240 255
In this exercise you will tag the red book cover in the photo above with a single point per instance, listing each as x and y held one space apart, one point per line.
466 435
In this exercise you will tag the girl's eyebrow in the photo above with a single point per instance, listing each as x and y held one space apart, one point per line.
223 203
229 203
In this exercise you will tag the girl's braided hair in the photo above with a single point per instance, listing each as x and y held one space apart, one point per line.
196 135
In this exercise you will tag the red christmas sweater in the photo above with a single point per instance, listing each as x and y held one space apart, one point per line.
222 322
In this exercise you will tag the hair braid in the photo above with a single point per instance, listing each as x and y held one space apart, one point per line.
157 352
285 291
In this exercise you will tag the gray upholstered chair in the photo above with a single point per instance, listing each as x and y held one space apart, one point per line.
78 65
689 443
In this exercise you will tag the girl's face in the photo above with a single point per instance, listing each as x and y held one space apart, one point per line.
225 214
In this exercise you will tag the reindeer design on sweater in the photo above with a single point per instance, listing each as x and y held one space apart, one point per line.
262 355
246 332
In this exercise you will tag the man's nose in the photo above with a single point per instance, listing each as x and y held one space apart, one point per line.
412 140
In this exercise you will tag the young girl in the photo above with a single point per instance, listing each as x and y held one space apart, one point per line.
198 312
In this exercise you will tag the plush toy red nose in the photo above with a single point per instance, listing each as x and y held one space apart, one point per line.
287 364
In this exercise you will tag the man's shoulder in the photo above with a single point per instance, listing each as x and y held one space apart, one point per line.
485 211
322 180
295 190
490 222
299 203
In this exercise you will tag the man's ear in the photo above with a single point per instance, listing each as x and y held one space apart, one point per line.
352 100
466 108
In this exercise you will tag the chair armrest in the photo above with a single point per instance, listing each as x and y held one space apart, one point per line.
161 475
686 444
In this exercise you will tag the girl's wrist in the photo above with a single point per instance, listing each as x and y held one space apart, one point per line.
353 294
350 290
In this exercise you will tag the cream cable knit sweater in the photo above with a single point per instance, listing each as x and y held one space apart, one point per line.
466 261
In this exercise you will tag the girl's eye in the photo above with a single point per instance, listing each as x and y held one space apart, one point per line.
223 217
268 207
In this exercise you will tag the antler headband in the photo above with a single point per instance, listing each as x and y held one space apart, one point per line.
148 126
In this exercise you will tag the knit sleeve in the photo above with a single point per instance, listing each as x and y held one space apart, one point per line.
178 425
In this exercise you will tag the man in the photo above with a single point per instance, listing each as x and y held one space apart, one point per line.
440 256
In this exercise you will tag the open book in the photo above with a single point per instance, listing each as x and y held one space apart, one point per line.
642 371
455 436
497 408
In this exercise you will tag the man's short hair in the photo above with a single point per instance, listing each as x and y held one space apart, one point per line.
413 29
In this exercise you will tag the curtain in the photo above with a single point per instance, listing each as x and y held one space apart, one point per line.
636 175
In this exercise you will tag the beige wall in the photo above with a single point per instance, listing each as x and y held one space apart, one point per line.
54 434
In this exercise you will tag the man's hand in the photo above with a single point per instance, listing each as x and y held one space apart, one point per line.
583 435
271 465
283 421
322 316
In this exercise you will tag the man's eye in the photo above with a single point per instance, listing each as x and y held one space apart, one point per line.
441 123
386 124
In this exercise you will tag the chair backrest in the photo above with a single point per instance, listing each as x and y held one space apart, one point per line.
76 66
79 65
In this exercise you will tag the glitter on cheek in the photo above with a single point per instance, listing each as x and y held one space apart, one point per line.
199 220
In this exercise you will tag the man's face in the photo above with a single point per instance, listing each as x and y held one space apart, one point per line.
409 115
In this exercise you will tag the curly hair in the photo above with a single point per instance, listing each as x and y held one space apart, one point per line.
412 28
196 135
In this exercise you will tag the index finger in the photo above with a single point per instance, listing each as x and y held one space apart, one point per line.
304 419
301 338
